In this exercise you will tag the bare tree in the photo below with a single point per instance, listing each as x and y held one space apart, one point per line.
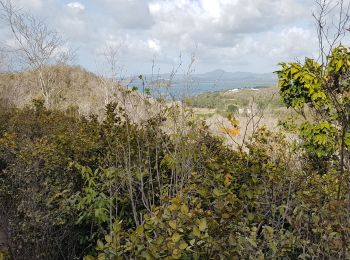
38 46
111 76
332 23
3 61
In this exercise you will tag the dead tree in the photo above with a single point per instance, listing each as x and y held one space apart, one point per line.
37 47
111 76
3 61
332 23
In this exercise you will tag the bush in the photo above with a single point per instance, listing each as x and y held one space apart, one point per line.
72 186
232 108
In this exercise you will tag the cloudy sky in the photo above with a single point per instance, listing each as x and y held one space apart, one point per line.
234 35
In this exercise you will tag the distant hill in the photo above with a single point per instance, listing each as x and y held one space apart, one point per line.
180 86
217 76
221 75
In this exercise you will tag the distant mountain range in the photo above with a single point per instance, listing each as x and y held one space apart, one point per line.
218 77
240 79
180 85
228 76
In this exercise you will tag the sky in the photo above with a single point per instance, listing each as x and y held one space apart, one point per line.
232 35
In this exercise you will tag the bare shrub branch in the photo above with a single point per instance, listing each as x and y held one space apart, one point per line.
37 46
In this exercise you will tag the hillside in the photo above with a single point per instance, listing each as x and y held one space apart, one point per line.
78 89
89 93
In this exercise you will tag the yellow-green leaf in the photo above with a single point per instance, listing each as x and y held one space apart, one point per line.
176 237
183 245
108 238
184 209
339 65
196 232
269 229
88 257
176 254
139 229
100 245
172 224
101 256
173 207
202 224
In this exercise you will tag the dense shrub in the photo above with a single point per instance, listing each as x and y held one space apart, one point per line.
113 188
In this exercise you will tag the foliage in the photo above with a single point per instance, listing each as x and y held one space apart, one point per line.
232 101
166 187
232 108
322 90
234 128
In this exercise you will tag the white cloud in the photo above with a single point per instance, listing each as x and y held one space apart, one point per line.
29 4
153 44
129 14
229 34
76 5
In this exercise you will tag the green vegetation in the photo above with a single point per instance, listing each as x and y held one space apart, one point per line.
232 101
115 184
324 90
79 187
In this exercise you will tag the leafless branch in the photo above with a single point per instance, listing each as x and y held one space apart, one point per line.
332 23
37 46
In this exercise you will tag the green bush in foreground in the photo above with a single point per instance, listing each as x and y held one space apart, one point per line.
74 187
114 189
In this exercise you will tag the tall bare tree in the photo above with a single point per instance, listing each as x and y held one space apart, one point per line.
332 23
111 74
37 46
3 61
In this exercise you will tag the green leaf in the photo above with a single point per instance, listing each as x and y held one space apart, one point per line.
202 224
269 229
339 65
172 224
249 194
294 70
175 237
139 229
217 193
176 254
273 247
101 256
88 257
108 238
184 209
252 242
196 231
183 245
100 245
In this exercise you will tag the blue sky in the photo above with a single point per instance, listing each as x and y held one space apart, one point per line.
234 35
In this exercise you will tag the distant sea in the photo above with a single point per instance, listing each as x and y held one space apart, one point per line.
180 91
